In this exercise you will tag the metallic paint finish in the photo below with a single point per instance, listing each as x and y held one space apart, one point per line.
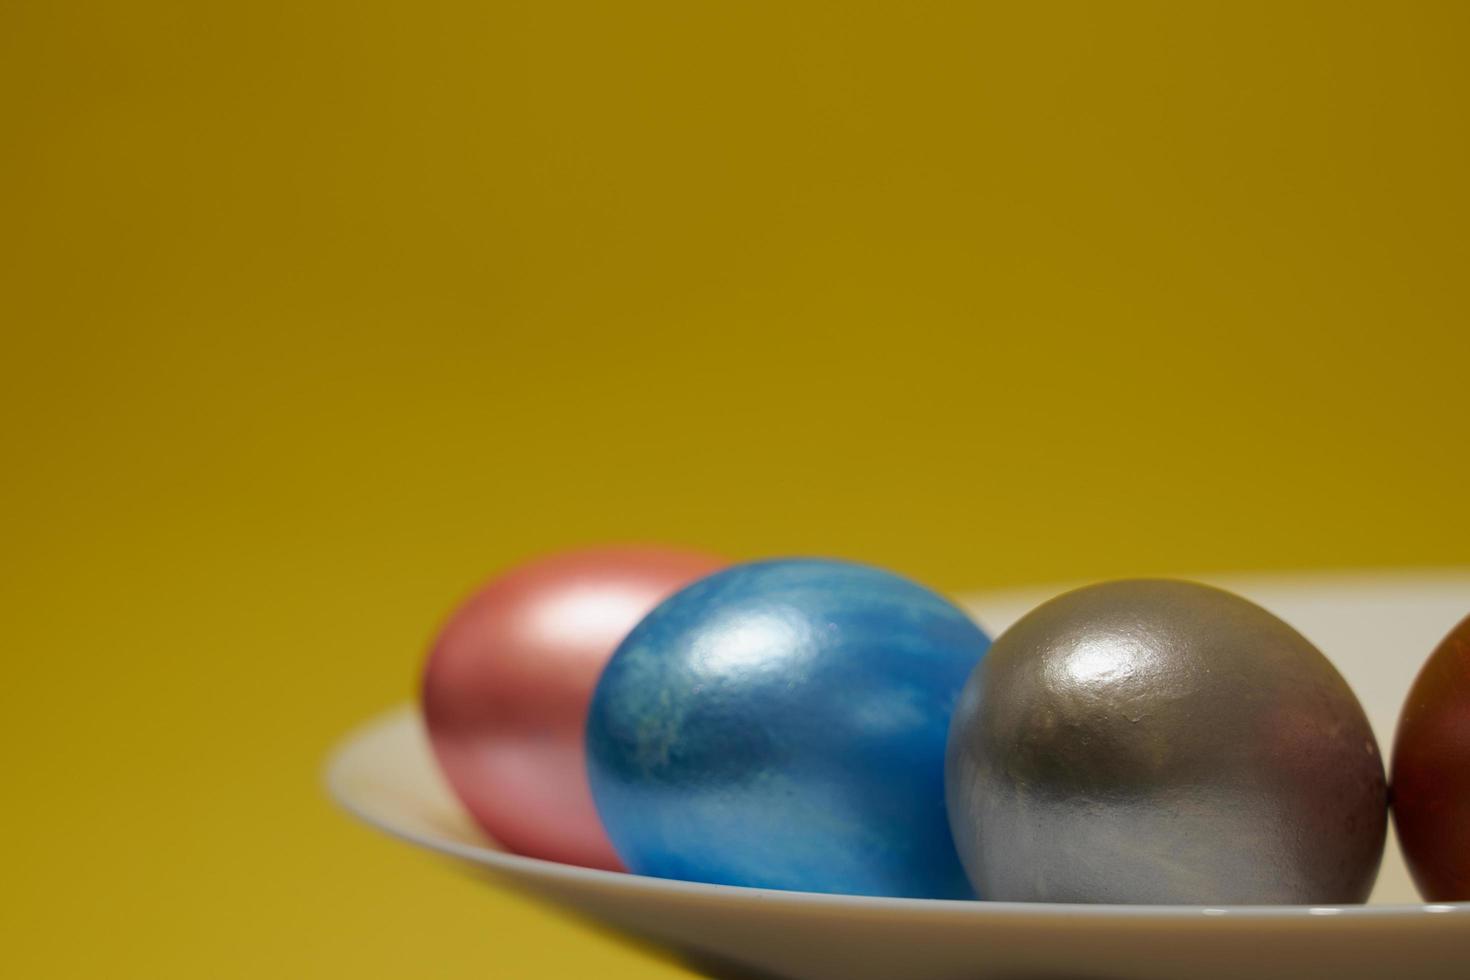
1431 772
1163 742
507 684
782 724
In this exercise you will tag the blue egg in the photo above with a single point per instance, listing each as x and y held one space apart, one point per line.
782 724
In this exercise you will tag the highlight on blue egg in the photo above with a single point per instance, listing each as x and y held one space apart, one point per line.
782 724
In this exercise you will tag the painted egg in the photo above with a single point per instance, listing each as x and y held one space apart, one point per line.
1163 742
781 724
508 681
1431 772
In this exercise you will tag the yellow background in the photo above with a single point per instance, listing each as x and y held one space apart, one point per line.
316 313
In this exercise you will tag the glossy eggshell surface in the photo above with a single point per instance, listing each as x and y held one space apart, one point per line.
1163 742
508 681
1431 772
782 724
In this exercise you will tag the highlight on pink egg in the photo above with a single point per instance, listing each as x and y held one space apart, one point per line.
508 682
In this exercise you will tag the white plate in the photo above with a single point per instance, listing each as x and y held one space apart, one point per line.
1378 629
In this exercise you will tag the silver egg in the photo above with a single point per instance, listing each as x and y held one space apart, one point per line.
1163 742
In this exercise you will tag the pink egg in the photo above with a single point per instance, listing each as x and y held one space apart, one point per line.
509 680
